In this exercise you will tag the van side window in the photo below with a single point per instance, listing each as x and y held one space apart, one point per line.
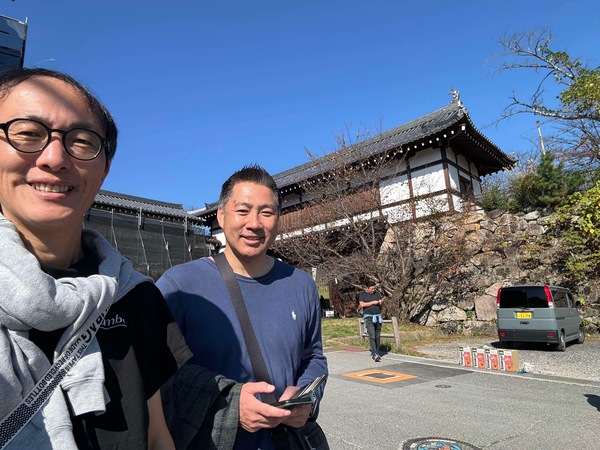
571 300
560 299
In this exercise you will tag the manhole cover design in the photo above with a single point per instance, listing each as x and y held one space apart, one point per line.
434 443
380 376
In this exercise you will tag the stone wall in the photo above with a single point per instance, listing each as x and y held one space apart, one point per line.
502 249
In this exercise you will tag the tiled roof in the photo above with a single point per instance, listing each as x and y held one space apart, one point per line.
473 142
110 200
415 130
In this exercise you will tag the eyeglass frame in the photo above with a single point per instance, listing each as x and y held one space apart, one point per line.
4 127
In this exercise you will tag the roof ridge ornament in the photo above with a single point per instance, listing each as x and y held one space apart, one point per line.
456 97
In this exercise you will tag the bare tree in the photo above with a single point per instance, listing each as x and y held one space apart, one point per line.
350 234
575 114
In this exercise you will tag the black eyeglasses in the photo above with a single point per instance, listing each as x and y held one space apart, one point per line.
31 136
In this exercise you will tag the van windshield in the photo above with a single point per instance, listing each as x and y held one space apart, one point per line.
523 297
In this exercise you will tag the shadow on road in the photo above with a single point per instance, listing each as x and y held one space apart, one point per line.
593 400
539 346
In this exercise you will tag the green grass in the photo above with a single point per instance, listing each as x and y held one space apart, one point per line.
338 328
333 328
323 290
337 332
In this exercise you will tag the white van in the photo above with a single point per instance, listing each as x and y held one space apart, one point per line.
538 314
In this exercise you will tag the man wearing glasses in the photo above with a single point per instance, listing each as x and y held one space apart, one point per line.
85 341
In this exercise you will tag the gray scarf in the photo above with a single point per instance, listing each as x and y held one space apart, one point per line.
29 298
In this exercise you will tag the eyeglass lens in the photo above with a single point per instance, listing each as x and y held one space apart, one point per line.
31 136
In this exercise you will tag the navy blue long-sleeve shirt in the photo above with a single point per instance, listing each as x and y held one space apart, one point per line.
283 306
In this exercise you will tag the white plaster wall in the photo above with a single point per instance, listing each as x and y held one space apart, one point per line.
289 235
394 170
428 180
453 174
426 156
451 155
366 216
458 203
428 206
476 187
320 227
398 213
462 162
221 237
394 190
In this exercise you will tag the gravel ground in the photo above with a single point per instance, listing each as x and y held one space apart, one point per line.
578 361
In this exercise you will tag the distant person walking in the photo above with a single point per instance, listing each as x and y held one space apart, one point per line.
370 301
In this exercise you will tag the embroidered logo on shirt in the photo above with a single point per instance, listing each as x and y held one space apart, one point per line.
293 314
113 322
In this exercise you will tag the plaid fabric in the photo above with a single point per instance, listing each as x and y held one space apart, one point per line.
201 409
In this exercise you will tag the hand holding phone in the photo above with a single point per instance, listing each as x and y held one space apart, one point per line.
303 396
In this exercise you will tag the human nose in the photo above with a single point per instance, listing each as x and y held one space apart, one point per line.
253 221
54 155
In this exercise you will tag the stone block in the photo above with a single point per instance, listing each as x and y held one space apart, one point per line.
439 304
488 225
493 290
466 304
534 215
431 320
451 314
474 218
496 213
487 259
485 307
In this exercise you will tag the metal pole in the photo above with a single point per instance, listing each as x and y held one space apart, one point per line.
396 332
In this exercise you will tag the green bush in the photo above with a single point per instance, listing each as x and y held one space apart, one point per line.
577 225
545 184
493 196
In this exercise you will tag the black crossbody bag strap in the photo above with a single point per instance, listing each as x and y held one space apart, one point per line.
22 414
283 437
256 358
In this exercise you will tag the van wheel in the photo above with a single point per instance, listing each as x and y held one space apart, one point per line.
562 345
581 336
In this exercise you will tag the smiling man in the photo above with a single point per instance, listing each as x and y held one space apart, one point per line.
282 303
85 341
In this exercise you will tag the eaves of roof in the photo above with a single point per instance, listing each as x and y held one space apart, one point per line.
152 208
404 137
452 122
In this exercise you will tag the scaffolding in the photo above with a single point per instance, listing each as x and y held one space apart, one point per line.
152 244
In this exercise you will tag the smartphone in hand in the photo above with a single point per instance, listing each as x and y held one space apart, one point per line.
303 396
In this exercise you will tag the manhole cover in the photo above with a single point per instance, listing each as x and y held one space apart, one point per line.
435 443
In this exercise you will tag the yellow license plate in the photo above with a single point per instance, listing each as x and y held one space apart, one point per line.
523 315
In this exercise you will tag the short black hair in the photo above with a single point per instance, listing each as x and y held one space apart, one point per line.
11 78
248 174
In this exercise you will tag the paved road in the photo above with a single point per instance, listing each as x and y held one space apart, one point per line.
487 409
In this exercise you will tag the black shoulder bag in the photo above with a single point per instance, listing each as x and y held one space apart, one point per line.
308 437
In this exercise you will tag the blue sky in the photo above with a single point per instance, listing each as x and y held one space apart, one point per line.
200 88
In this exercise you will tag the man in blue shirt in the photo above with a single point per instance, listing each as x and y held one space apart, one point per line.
282 303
